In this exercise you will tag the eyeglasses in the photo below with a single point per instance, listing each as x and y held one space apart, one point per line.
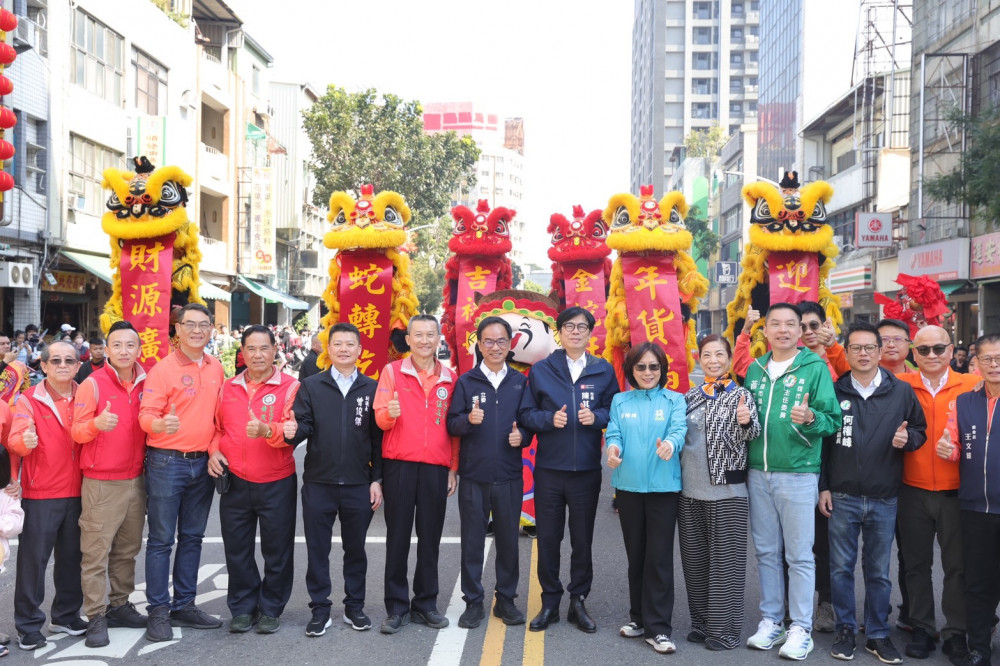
811 326
868 349
643 367
925 350
62 361
581 327
500 344
988 360
894 341
196 326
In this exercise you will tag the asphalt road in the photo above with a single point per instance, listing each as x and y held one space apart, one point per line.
491 643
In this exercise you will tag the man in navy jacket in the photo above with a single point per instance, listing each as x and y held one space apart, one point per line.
483 414
567 405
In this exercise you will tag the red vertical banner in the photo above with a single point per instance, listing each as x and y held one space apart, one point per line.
585 287
793 277
145 268
476 275
654 311
366 301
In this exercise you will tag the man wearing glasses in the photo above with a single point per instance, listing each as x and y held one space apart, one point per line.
895 346
928 502
860 477
51 481
178 415
567 403
483 414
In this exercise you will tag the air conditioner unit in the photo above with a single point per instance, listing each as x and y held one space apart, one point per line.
77 202
18 276
25 34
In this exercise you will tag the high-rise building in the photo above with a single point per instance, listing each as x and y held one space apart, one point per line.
694 65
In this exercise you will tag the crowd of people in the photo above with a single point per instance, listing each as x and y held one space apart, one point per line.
818 448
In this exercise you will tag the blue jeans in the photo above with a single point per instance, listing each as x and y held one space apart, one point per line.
783 512
875 520
179 498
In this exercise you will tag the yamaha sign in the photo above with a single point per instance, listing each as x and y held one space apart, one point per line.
873 230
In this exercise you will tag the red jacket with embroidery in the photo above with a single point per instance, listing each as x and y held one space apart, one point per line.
51 470
117 454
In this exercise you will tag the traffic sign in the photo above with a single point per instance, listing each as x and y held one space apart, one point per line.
726 272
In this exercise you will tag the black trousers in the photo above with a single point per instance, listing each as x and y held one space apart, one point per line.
648 521
51 527
555 491
321 503
272 507
419 490
981 553
475 503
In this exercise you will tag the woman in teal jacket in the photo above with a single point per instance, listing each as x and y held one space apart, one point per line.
644 437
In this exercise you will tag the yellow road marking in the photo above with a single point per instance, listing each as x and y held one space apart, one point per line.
534 641
496 633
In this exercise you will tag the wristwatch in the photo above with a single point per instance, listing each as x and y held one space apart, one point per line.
269 434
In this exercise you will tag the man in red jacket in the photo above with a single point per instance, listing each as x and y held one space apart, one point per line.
50 478
252 419
113 497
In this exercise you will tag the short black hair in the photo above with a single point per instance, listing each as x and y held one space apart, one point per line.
807 307
194 307
342 327
894 323
783 306
962 348
863 327
96 341
572 313
422 317
988 339
256 328
29 328
636 353
120 325
491 321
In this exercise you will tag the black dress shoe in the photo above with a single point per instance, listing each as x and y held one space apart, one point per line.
506 611
545 617
579 616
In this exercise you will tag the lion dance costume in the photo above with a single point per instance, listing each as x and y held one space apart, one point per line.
655 284
581 269
789 257
370 284
478 265
919 302
532 317
154 252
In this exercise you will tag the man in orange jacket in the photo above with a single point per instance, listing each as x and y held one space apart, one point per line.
928 502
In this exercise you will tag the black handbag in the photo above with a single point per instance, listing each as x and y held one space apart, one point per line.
222 481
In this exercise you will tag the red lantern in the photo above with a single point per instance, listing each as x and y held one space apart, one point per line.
7 53
7 20
6 150
6 181
7 118
6 85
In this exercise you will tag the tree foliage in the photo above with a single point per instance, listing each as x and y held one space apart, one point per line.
427 262
705 143
974 182
531 285
706 241
365 137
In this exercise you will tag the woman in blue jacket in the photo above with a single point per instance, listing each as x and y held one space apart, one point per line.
645 434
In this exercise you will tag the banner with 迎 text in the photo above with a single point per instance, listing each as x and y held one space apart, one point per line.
793 277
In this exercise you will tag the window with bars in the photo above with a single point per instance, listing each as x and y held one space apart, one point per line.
97 58
86 168
150 84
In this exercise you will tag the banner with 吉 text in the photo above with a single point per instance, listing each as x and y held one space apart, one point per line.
262 232
476 275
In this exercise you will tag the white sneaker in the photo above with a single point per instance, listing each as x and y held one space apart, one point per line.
662 644
631 630
798 645
768 635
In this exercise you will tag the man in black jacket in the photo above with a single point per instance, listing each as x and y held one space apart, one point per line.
309 367
96 361
568 404
483 413
342 473
860 477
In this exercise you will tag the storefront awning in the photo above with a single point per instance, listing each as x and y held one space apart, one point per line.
101 267
272 295
950 286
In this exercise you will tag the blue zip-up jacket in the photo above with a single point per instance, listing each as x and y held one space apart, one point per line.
485 454
979 453
638 418
575 448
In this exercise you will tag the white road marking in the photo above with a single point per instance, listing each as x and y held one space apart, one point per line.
302 539
450 641
153 647
122 640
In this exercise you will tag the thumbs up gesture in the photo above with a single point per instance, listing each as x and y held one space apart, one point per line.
900 437
664 449
171 423
393 406
559 418
742 411
514 439
827 335
585 416
256 427
752 317
801 414
106 420
476 415
945 447
291 426
614 456
29 437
